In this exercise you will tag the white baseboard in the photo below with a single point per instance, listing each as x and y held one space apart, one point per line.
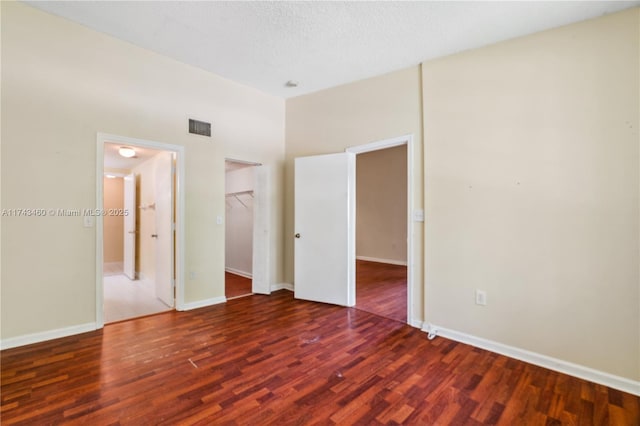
238 272
416 323
282 286
378 260
202 303
27 339
580 371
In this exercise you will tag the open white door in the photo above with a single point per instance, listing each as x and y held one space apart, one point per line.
325 228
164 227
260 266
130 226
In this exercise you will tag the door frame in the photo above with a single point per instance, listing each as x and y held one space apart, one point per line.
101 139
390 143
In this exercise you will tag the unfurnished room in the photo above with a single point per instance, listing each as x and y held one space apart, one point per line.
328 213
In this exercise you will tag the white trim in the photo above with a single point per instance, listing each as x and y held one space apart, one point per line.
282 286
580 371
261 239
416 323
390 143
238 272
101 139
248 163
202 303
378 145
27 339
378 260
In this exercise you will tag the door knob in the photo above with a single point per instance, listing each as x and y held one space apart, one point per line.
154 235
297 235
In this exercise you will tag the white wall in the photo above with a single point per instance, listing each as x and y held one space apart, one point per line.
62 84
239 221
532 193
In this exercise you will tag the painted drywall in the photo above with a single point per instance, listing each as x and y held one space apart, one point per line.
61 84
532 193
356 114
239 180
239 221
381 205
113 241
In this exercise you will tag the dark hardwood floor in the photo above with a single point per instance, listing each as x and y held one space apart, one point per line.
236 286
274 360
381 289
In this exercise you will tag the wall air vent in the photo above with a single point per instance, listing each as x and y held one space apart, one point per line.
199 128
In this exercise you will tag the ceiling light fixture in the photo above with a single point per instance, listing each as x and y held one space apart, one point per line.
291 83
110 176
127 152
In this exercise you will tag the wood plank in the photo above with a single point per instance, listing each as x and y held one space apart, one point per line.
236 285
381 289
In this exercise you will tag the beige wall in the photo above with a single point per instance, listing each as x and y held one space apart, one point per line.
355 114
532 192
381 204
113 224
61 84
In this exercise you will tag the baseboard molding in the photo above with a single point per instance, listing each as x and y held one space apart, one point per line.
282 286
27 339
416 323
580 371
378 260
238 272
203 303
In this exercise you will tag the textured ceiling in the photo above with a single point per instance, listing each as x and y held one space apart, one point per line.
319 44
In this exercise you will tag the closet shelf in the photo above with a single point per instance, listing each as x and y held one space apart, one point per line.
231 194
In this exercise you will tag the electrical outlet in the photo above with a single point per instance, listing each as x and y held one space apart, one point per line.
481 297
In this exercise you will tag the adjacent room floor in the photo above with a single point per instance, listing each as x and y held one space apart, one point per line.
125 298
381 289
236 286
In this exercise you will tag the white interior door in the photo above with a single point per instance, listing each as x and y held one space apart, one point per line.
130 226
164 227
260 263
325 228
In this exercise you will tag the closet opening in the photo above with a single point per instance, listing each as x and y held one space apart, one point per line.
240 178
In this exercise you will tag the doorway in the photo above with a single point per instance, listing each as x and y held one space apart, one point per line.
139 250
240 186
325 225
384 227
381 232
